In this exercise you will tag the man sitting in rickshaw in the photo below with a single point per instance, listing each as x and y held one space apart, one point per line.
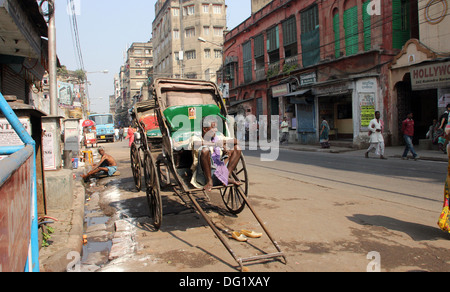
106 165
213 161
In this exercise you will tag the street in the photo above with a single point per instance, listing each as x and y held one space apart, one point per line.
327 211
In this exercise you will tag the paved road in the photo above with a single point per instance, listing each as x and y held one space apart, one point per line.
327 211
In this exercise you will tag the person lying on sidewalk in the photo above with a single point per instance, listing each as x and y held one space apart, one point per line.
107 164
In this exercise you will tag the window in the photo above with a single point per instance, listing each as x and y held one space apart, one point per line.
351 30
190 55
217 54
290 37
258 53
273 45
337 38
206 30
190 32
189 10
367 26
176 11
217 9
273 39
207 53
218 31
247 59
176 34
205 8
289 32
400 23
310 37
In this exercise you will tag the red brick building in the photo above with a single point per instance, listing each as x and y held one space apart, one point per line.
311 59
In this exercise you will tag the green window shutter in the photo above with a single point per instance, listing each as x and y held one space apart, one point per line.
337 41
258 44
351 30
310 36
367 27
273 39
400 23
247 60
289 32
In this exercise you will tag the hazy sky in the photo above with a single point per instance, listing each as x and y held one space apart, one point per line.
106 30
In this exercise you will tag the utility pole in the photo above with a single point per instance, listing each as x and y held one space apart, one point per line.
52 58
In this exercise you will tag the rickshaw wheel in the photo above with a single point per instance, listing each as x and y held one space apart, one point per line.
136 165
232 196
152 189
163 173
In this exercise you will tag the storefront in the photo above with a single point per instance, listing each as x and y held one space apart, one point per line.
420 83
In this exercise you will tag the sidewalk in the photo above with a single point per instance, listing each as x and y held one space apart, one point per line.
390 152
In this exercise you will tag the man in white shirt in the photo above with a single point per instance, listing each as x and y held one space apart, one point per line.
284 131
376 136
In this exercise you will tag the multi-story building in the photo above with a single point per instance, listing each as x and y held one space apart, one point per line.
136 72
311 59
188 38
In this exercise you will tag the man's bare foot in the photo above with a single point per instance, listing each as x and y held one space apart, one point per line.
208 186
234 182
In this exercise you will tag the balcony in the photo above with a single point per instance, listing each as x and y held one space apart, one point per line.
260 74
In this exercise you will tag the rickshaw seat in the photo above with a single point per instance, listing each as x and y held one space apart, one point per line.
194 113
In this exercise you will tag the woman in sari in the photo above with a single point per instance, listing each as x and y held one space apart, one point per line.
324 132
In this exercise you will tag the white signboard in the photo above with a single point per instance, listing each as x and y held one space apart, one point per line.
8 136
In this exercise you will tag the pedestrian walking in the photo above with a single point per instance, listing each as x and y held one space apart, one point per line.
408 134
284 131
121 133
376 136
324 133
116 134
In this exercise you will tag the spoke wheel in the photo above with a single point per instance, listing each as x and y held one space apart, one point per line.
163 174
135 159
152 189
232 196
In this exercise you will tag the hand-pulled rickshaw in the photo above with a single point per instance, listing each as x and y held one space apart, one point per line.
180 106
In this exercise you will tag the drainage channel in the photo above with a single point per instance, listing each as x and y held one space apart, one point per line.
97 235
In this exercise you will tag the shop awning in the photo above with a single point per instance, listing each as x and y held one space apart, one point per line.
298 93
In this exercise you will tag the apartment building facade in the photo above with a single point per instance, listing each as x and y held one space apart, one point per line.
311 59
133 79
188 38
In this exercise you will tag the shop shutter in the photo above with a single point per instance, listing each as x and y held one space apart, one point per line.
351 30
367 27
337 40
13 84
